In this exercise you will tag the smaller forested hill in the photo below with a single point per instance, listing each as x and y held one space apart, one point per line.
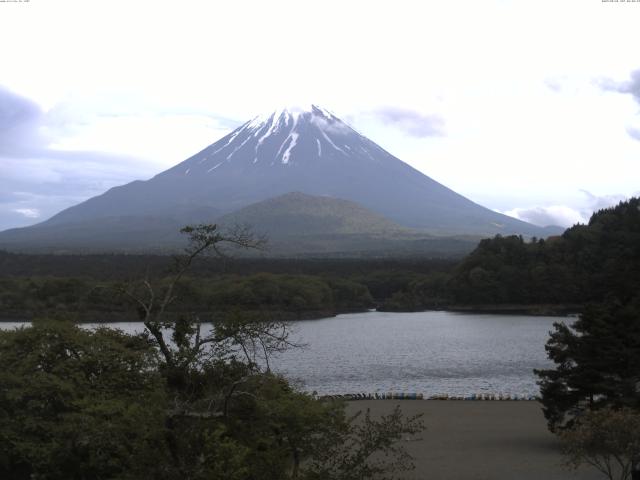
300 214
588 263
297 224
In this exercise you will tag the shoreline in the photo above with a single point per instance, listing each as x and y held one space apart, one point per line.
534 309
547 310
562 310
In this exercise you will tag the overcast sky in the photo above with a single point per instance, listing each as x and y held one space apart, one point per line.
528 107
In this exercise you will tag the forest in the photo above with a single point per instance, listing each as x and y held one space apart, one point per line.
553 275
586 264
86 287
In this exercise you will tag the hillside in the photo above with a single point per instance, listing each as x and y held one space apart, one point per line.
300 214
300 224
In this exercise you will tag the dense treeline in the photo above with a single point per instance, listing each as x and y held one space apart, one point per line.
123 267
588 263
285 296
86 287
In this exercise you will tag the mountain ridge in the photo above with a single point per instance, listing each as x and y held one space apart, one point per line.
308 150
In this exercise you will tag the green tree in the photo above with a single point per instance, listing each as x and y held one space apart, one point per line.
76 404
597 363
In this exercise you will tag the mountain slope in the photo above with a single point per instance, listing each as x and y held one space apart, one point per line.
135 233
309 151
294 224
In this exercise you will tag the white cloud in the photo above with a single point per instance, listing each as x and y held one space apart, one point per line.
411 122
563 215
28 212
160 140
560 215
598 202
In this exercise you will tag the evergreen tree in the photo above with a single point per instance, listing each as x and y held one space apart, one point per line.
597 363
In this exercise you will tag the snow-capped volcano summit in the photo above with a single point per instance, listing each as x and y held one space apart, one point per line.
293 111
294 149
272 138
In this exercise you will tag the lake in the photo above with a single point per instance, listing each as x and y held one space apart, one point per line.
424 352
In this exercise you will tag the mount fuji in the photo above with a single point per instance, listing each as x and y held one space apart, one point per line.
307 150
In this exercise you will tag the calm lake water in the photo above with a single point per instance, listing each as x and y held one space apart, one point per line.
424 352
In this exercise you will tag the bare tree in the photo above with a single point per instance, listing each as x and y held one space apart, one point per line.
606 439
153 301
236 344
180 339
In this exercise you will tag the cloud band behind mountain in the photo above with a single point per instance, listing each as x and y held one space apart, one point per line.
412 122
563 215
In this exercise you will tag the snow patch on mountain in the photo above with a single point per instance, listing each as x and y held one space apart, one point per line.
238 148
294 139
331 142
214 167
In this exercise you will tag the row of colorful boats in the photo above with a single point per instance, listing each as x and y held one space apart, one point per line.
485 396
420 396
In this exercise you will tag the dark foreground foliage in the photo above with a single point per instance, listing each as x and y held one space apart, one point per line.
597 358
177 401
597 363
78 404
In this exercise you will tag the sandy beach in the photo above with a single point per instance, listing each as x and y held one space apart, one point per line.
481 440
